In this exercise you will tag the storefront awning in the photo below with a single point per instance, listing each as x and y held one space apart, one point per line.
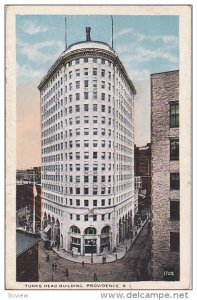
47 228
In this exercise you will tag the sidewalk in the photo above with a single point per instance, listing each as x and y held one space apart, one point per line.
110 257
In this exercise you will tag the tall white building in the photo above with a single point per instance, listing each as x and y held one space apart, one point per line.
87 107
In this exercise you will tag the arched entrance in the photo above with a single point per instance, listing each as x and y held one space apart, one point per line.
75 244
90 240
105 238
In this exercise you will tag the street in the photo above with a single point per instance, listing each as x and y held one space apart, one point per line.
132 267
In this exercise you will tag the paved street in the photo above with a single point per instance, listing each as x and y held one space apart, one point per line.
129 268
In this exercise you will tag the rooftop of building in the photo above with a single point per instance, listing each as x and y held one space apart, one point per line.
25 241
164 73
87 45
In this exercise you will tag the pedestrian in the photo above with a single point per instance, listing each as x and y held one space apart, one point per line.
82 264
95 277
66 273
55 266
116 256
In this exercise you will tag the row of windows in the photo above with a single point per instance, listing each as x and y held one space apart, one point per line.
87 203
86 84
89 60
87 95
87 191
86 155
87 107
86 72
86 132
87 217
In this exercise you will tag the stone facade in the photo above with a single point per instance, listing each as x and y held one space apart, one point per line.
165 163
87 105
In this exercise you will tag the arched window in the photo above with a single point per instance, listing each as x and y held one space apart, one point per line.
75 229
105 230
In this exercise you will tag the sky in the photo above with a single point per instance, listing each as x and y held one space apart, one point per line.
145 45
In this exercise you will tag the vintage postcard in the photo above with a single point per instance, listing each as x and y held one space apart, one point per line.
98 147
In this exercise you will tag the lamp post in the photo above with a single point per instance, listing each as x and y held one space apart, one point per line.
92 243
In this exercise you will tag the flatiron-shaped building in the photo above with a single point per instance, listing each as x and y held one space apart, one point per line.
87 124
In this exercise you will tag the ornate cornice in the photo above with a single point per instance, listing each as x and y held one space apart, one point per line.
79 53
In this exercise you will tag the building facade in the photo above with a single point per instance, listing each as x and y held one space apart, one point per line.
165 175
87 106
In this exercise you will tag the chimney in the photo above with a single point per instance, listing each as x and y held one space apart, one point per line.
88 38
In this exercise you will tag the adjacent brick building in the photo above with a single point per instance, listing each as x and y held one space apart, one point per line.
165 175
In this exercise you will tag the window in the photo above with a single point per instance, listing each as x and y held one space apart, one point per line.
109 75
86 107
85 83
94 202
95 178
71 216
174 181
77 167
77 120
102 96
102 120
103 155
103 178
103 61
94 95
77 108
77 72
95 131
86 72
103 217
86 155
70 74
85 59
174 210
95 190
86 190
86 143
86 178
77 190
77 61
95 107
94 59
86 203
103 190
86 131
109 216
103 131
103 108
77 202
174 149
86 167
77 178
77 143
95 143
78 131
94 72
109 86
94 217
174 241
70 86
95 155
94 83
103 143
95 119
70 98
77 84
103 202
78 217
86 95
174 115
77 155
86 218
95 167
71 202
77 96
102 84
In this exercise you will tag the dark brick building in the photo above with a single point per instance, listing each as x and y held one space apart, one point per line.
165 193
26 257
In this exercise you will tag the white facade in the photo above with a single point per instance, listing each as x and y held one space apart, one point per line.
87 106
